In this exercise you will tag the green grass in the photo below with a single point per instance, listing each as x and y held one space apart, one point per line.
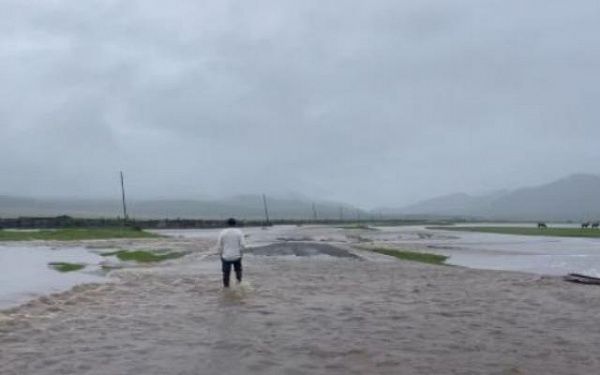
143 256
413 256
66 267
73 234
528 231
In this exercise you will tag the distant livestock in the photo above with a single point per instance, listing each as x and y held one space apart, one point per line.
542 225
585 225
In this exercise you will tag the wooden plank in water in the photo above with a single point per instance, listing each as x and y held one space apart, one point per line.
582 279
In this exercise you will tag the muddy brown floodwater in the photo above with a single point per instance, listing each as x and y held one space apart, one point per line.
316 307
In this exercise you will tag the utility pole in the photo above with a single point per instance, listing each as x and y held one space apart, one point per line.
264 197
314 210
341 213
123 196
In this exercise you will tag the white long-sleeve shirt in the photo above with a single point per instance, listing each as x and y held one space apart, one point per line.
231 244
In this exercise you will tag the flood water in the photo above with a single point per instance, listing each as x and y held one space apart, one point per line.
308 306
547 255
24 271
25 274
535 254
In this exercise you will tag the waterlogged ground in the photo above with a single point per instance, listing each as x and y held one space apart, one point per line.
536 254
540 255
24 271
307 310
25 274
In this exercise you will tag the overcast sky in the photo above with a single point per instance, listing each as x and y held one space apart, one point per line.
369 102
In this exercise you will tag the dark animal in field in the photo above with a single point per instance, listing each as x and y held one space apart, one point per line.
585 225
596 224
542 225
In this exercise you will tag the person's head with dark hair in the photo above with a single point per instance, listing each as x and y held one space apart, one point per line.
231 222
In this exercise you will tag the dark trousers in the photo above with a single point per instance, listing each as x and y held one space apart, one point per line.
226 267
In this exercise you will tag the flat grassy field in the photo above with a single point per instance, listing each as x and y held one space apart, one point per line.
413 256
528 231
73 234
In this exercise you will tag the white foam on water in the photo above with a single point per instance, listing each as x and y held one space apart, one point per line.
237 292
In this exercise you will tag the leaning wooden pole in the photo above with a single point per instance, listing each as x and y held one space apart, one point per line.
123 196
264 197
314 210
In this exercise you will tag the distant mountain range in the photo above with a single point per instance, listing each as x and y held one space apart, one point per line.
244 207
576 198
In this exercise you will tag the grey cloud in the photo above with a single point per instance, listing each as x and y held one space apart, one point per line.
375 103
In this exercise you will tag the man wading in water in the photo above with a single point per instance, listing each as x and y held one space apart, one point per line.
230 246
